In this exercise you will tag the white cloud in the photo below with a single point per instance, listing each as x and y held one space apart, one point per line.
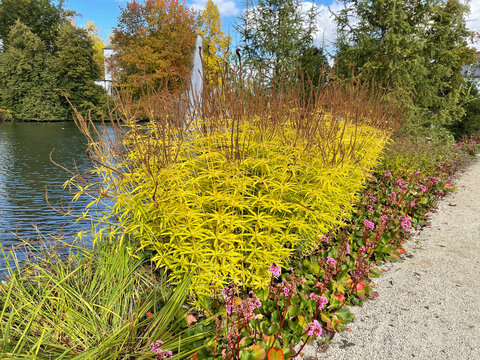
473 20
326 34
226 7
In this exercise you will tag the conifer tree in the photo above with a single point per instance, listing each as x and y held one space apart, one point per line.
274 35
415 49
26 77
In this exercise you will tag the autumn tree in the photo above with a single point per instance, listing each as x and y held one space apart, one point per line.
215 44
98 44
154 43
26 77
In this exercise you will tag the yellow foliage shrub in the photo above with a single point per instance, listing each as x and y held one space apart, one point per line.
222 218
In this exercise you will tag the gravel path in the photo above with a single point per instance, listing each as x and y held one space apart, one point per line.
429 304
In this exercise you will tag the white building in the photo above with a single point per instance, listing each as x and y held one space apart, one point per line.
107 81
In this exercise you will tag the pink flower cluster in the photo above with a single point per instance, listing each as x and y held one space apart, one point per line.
275 270
321 300
392 197
160 354
331 262
346 250
288 289
228 294
387 174
384 219
248 307
370 209
423 188
406 222
324 239
314 328
367 224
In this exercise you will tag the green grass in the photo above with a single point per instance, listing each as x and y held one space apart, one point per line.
92 305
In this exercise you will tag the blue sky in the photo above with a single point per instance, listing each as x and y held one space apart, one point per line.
104 13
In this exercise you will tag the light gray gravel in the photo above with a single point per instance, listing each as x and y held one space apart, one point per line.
429 304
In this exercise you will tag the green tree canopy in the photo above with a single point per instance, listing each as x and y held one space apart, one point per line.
43 17
275 34
415 48
76 70
27 78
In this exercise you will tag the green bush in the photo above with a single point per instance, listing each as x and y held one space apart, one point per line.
91 305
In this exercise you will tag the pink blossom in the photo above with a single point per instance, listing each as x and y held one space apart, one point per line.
331 262
387 174
160 353
406 223
384 219
314 328
367 224
423 188
370 209
248 307
324 239
275 270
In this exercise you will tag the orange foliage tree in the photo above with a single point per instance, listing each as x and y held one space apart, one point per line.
154 43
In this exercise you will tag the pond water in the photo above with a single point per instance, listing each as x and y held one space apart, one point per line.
25 171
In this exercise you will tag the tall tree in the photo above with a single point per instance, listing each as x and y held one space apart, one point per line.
275 33
43 17
154 43
76 70
215 44
26 77
415 48
98 44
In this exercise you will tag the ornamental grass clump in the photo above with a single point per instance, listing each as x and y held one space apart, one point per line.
222 188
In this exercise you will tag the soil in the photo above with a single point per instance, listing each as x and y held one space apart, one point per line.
429 304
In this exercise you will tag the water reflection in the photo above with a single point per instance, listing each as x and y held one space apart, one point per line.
25 171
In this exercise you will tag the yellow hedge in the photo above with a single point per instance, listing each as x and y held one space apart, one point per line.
227 217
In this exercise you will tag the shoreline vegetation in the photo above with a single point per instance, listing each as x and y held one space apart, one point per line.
244 221
123 299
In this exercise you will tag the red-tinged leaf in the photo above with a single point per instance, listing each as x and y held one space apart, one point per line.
361 295
257 351
360 286
149 314
275 354
195 356
402 250
348 330
327 321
